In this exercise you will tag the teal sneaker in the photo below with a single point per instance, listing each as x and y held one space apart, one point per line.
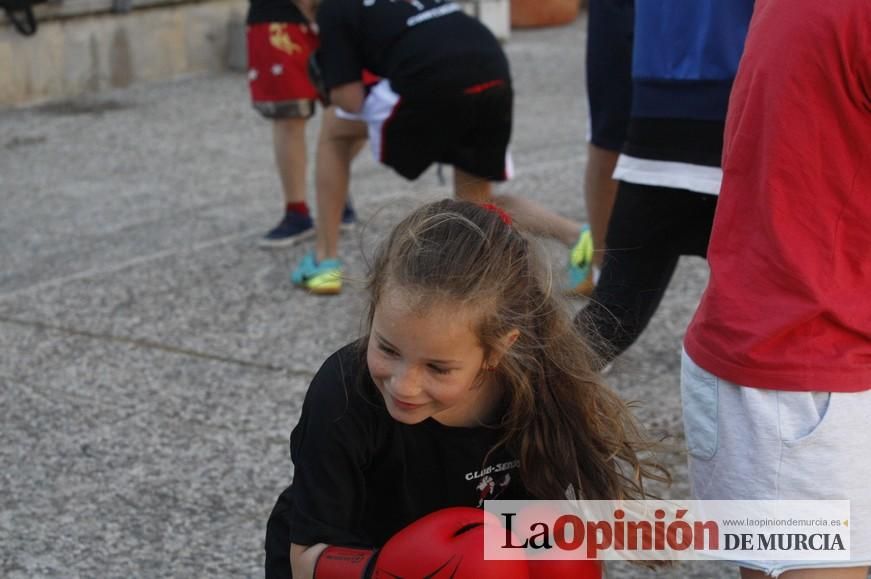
581 265
322 278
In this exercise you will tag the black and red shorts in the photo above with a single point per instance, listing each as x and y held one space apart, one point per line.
468 129
278 54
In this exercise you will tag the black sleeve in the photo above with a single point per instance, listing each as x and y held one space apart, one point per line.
339 22
331 447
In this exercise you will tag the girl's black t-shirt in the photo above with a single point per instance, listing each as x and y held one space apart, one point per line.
360 476
421 46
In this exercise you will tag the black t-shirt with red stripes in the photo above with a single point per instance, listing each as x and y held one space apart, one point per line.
421 46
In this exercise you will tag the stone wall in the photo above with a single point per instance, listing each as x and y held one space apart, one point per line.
87 53
82 46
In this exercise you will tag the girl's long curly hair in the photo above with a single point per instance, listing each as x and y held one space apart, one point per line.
569 430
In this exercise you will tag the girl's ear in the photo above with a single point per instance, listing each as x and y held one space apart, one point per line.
505 343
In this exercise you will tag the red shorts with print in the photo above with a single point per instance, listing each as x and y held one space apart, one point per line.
278 55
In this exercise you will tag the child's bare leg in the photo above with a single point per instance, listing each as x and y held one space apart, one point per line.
530 215
288 137
471 188
539 220
339 142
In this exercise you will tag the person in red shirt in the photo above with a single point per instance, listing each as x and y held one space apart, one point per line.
778 356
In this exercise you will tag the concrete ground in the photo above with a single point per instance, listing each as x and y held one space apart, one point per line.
153 359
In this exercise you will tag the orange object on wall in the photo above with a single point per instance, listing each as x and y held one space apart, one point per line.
537 13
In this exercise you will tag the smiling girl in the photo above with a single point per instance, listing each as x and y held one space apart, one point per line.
469 384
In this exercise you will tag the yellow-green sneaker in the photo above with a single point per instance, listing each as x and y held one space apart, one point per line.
581 265
321 278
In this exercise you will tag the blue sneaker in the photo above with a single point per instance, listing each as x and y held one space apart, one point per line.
291 230
322 278
349 217
581 265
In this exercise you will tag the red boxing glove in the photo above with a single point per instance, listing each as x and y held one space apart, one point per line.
445 544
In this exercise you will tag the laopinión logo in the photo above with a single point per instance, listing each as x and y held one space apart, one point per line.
664 530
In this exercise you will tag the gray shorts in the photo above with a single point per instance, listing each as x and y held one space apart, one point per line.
756 444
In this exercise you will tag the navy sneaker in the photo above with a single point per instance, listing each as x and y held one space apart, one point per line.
349 217
294 228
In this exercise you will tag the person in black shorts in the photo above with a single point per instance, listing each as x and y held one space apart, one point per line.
445 97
